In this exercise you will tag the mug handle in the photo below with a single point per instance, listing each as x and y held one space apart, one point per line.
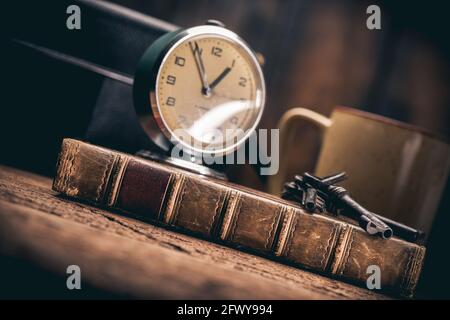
286 124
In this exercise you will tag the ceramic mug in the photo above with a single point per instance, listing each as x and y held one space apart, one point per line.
395 169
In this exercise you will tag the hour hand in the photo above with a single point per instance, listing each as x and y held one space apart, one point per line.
196 51
220 77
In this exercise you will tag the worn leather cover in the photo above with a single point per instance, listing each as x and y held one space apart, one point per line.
235 216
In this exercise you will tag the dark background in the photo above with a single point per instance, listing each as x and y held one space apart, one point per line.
318 54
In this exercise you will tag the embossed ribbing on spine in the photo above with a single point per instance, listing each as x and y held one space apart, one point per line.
173 203
342 250
330 252
285 232
278 228
412 271
219 219
115 179
230 213
166 197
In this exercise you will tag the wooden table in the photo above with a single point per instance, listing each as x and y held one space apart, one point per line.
42 233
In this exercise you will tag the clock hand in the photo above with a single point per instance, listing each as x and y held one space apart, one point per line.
220 77
206 90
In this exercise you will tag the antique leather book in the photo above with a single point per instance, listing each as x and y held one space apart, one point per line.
236 216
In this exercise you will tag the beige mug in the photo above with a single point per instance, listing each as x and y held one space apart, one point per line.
395 169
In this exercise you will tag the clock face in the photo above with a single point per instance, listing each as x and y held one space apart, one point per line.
209 93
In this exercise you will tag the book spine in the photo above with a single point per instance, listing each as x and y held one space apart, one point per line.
219 212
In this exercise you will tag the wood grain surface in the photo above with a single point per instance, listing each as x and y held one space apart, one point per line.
126 257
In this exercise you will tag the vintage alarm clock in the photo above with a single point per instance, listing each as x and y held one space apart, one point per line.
201 89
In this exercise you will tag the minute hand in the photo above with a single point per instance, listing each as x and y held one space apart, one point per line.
200 67
220 77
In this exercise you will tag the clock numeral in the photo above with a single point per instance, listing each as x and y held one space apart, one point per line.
243 82
171 80
216 51
170 101
180 61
